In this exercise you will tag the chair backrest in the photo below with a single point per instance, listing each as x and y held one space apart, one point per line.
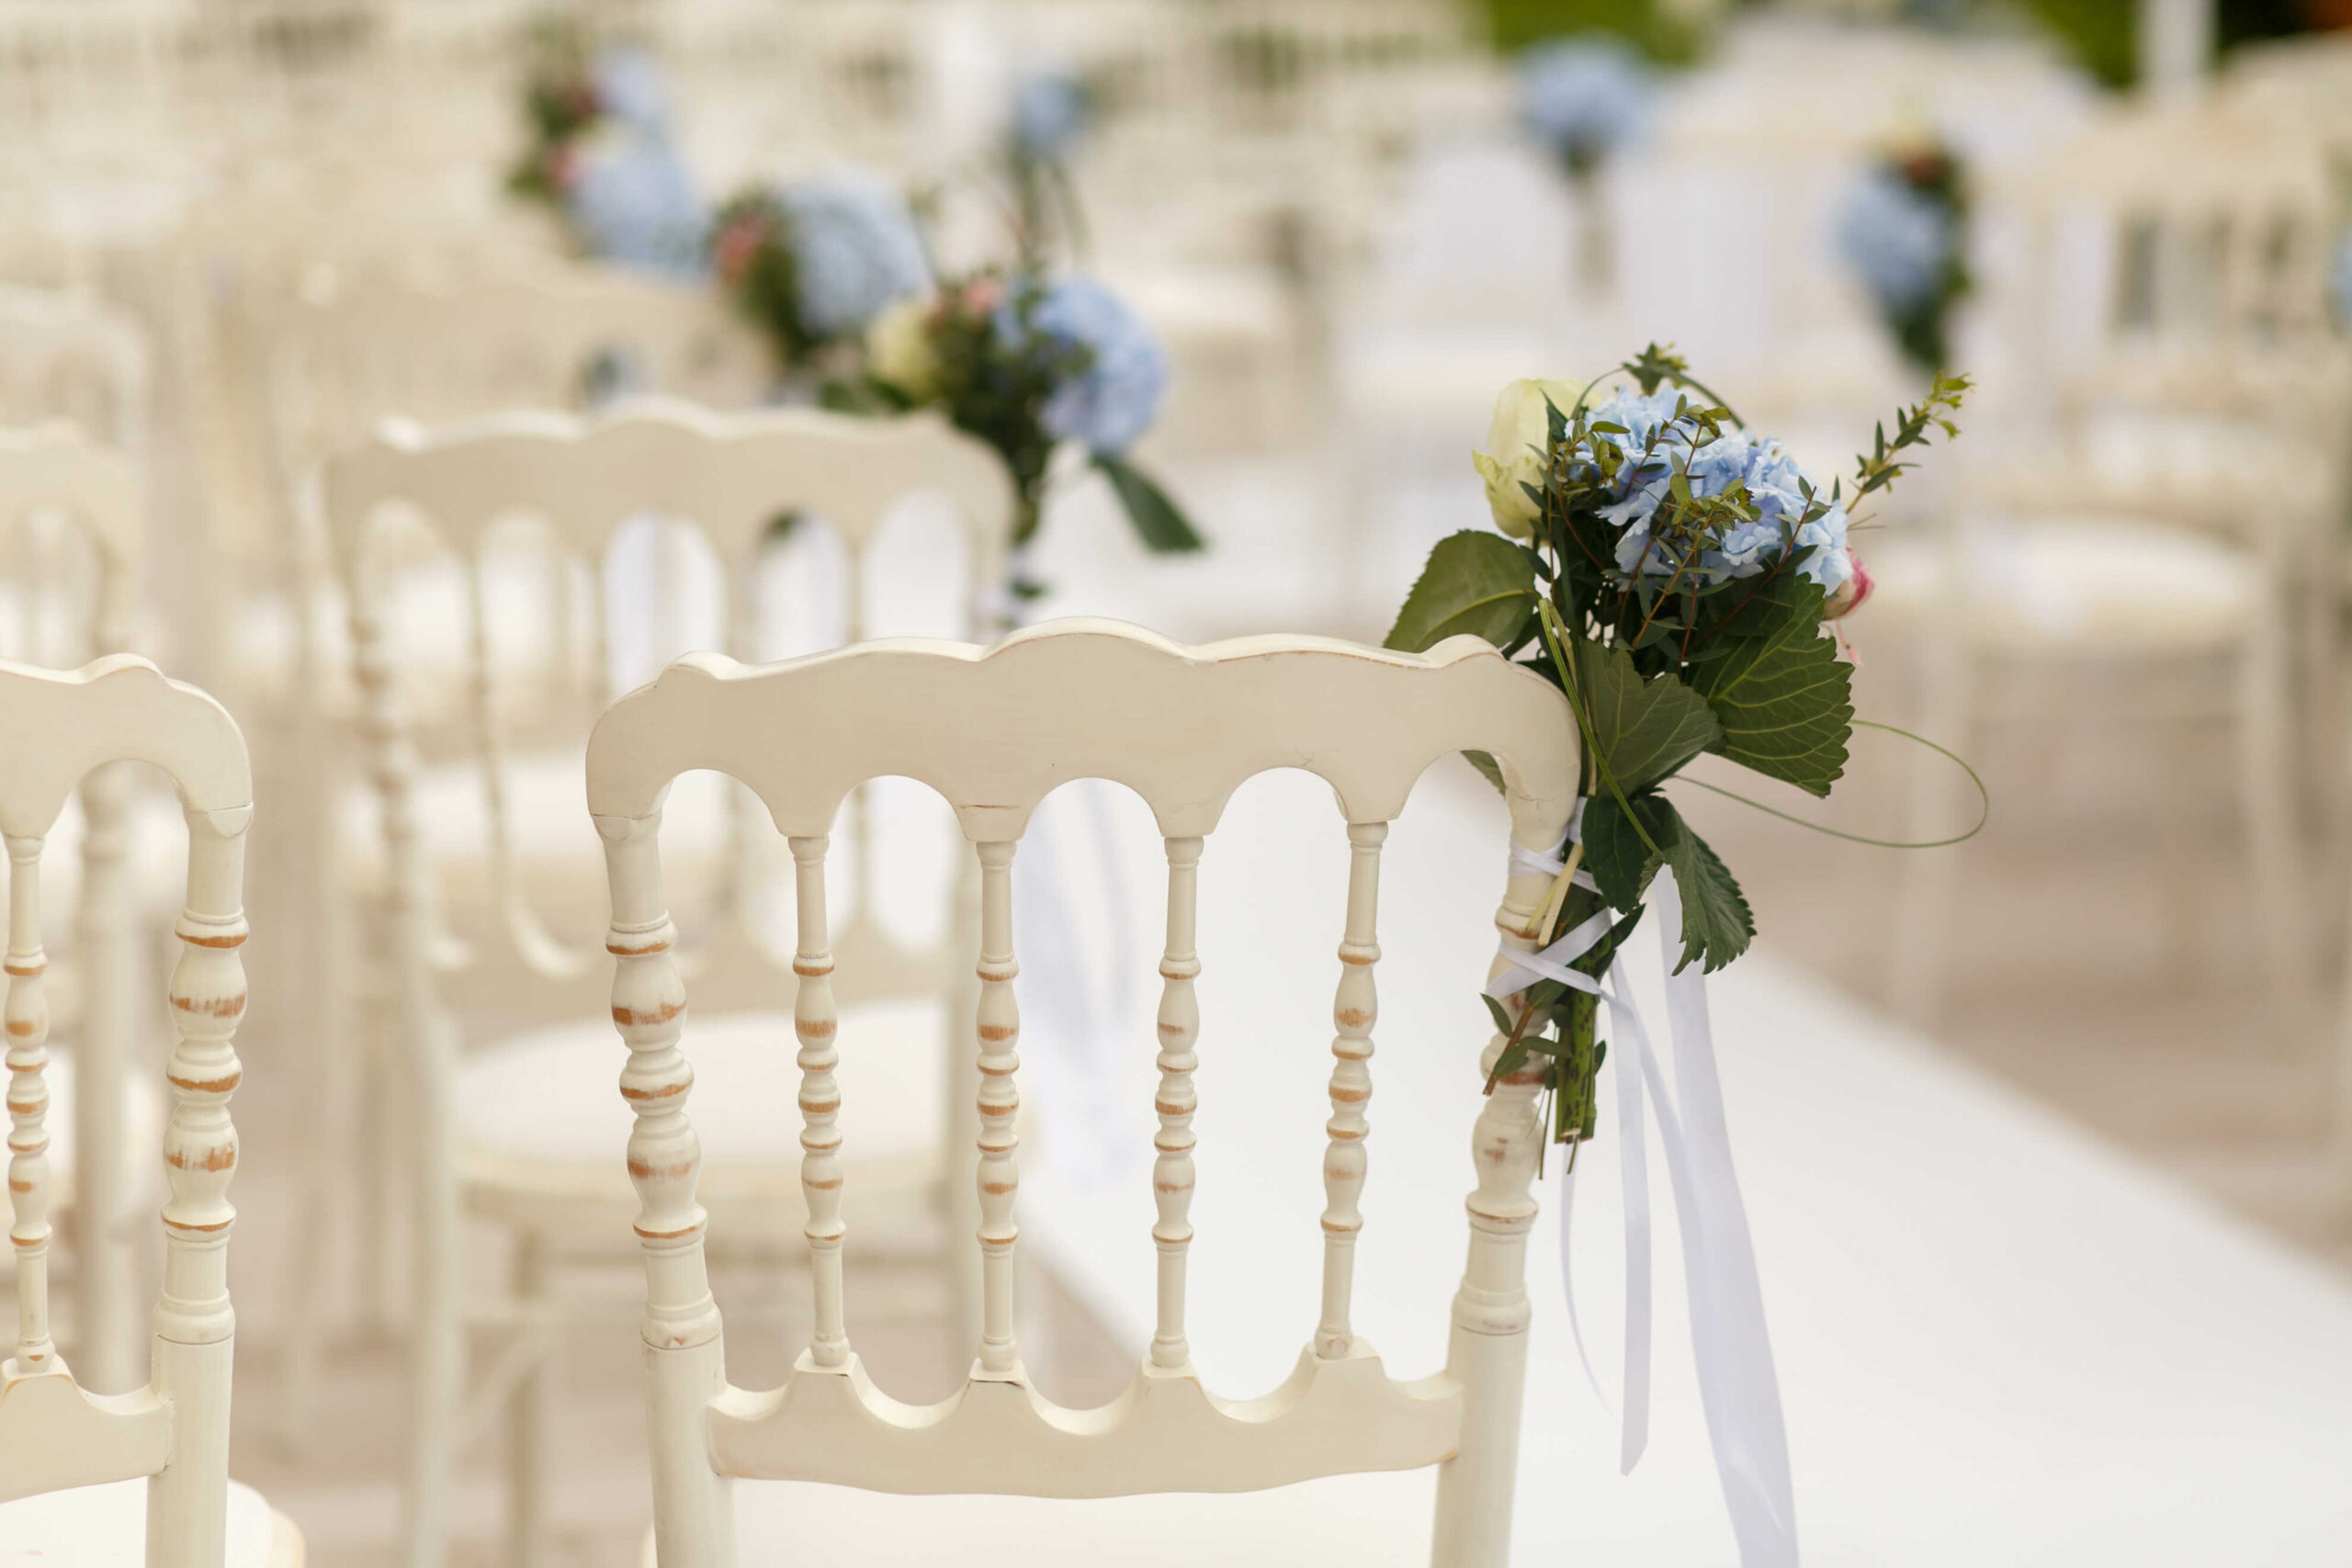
53 1435
994 731
63 355
733 476
54 472
61 492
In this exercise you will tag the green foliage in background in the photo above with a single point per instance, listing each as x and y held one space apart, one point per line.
1667 40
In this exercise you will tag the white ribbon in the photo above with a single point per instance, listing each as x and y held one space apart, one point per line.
1737 1386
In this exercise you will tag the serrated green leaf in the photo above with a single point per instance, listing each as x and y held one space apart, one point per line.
1474 582
1159 522
1782 697
1716 923
1643 730
1619 861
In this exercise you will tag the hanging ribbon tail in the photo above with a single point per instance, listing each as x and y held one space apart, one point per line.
1737 1384
1632 1061
1567 1284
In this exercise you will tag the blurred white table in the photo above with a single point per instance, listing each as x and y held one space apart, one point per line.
1998 1342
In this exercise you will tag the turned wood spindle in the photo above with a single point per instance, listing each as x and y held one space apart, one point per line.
1354 1010
817 1021
999 1176
28 1173
1180 1032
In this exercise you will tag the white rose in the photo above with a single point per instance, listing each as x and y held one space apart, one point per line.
899 350
1516 447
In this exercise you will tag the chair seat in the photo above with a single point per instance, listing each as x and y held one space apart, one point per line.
1375 1520
542 1125
2091 583
106 1526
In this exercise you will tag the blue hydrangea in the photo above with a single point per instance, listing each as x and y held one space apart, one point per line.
630 88
1584 99
634 203
1114 400
1776 488
854 250
1895 240
1049 116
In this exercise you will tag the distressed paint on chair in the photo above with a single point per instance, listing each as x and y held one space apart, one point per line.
175 1430
56 469
729 476
994 731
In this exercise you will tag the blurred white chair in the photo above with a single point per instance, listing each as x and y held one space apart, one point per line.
2184 369
142 1476
519 1132
74 516
995 731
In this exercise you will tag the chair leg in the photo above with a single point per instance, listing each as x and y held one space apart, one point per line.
527 1418
436 1342
2265 790
1927 881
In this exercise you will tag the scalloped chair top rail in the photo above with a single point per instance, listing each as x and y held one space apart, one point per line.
113 709
1125 704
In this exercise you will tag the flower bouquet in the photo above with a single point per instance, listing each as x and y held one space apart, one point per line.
813 262
1031 367
1905 234
1672 574
600 155
1584 99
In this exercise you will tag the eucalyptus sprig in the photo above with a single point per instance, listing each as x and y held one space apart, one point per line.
1672 575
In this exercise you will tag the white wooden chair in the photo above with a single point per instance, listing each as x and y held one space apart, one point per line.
2175 342
994 731
497 1133
72 1462
75 514
68 356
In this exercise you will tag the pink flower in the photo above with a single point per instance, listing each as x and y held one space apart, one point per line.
1851 592
738 243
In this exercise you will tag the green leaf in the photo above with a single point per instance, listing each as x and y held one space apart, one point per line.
1159 522
1488 769
1500 1015
1641 729
1783 697
1474 582
1619 861
1716 924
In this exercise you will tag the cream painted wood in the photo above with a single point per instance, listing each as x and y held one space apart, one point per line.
731 476
64 614
64 355
175 1430
994 731
2200 328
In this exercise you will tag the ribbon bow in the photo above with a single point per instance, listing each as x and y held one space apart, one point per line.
1737 1385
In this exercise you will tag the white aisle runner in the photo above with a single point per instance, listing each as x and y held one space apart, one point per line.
1998 1343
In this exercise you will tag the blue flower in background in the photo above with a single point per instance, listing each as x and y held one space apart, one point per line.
629 89
855 249
634 203
1584 99
1049 116
1776 488
1897 241
1113 401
